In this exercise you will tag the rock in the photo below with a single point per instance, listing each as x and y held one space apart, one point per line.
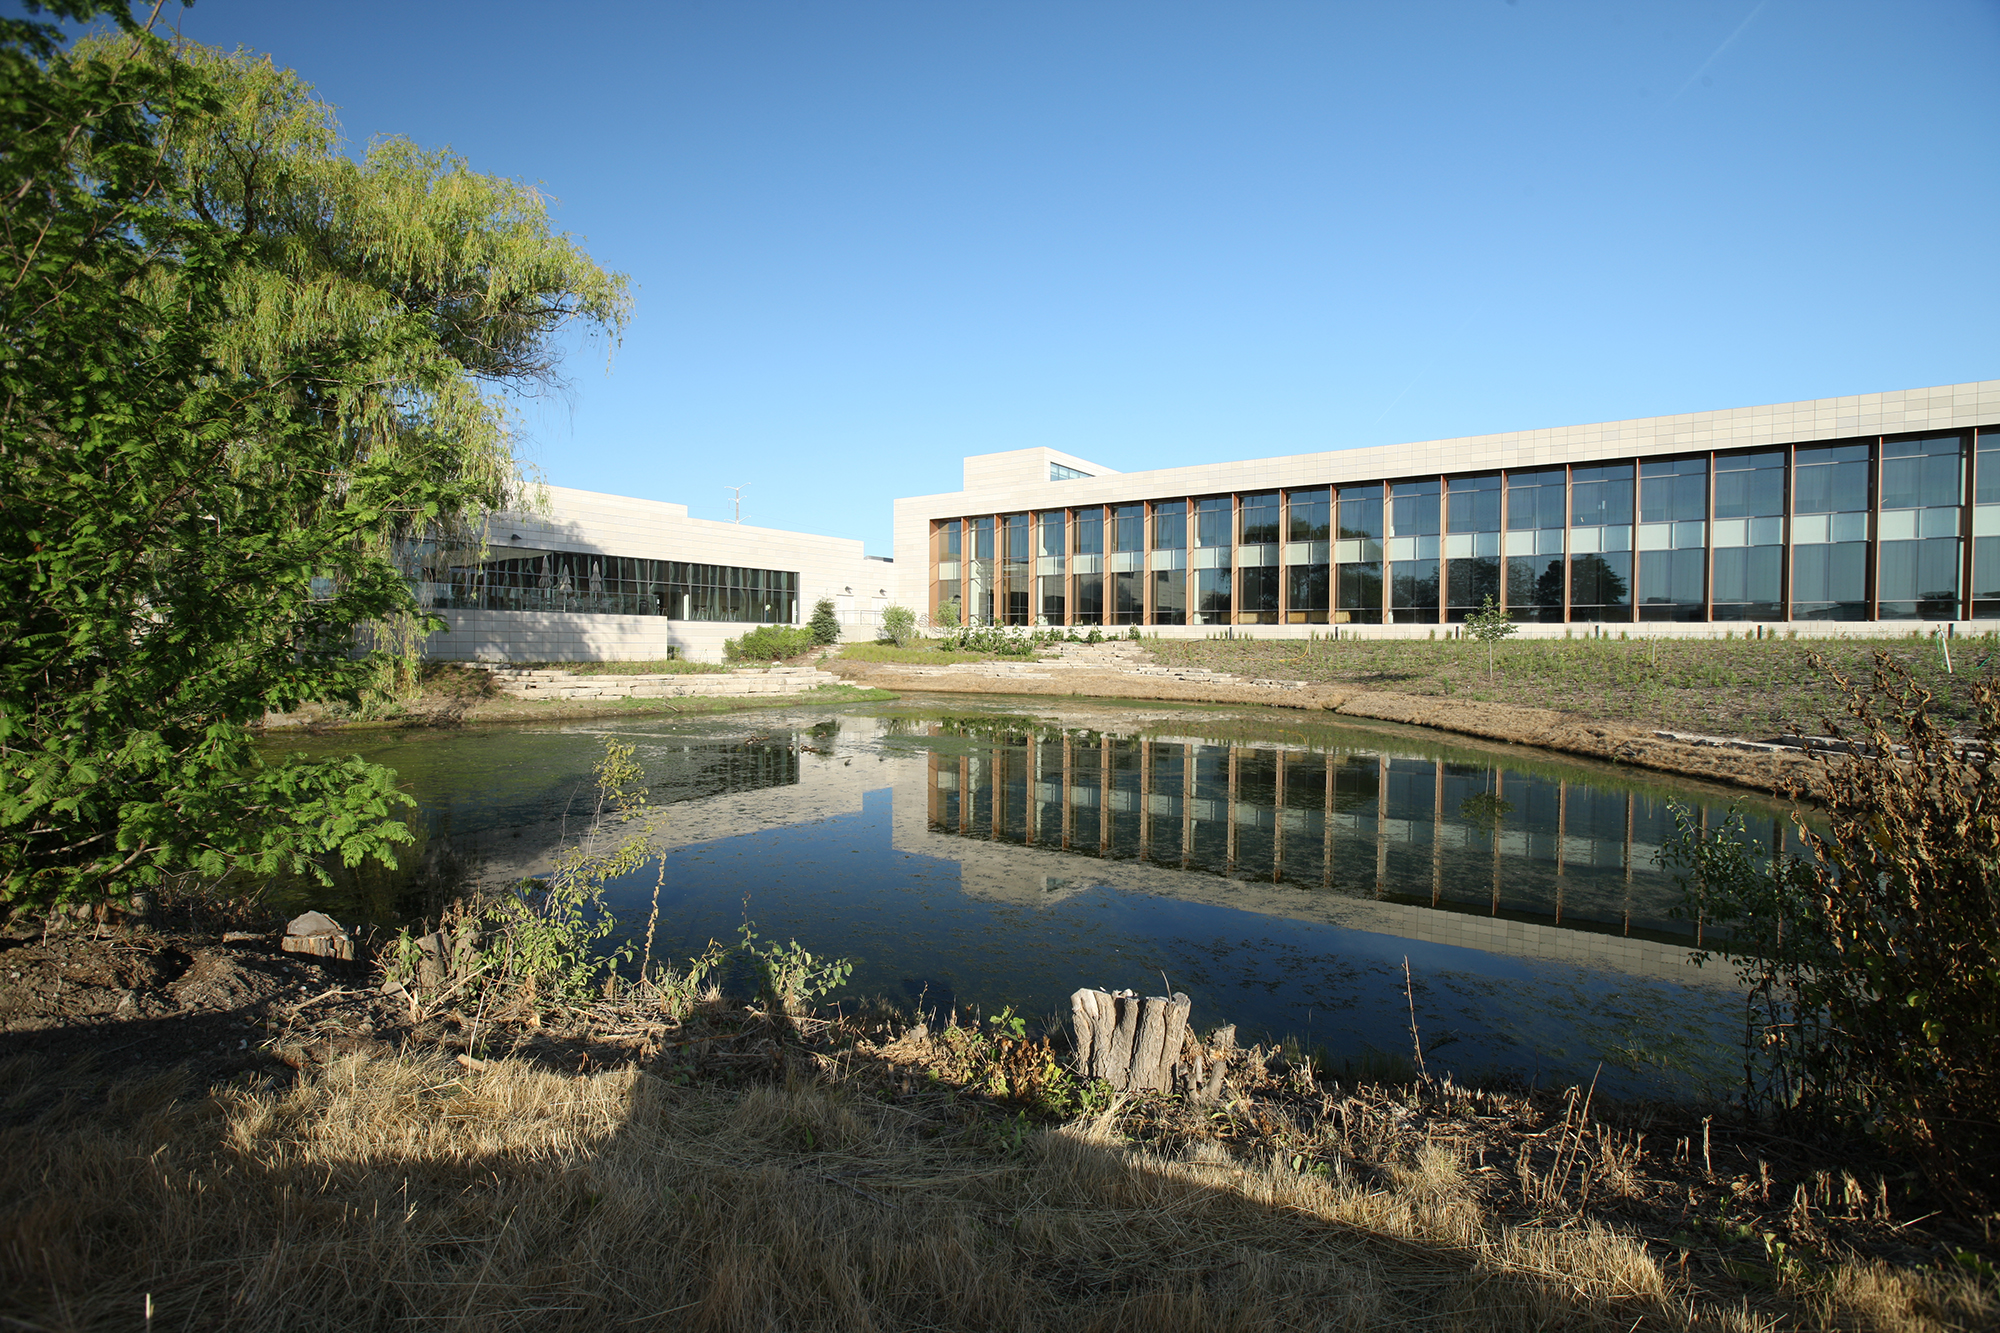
312 923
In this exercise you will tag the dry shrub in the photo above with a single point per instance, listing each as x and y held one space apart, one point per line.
405 1192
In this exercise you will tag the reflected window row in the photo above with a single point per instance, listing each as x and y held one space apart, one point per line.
1889 528
1465 836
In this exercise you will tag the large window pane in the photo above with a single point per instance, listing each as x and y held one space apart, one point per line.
1170 525
1673 490
1211 593
1259 518
1830 581
1306 593
1748 581
1601 495
1129 522
1830 479
1308 516
1258 595
1600 586
1170 597
1535 588
1535 500
1922 474
1212 522
1014 609
1361 512
1413 592
1089 608
1360 593
1087 532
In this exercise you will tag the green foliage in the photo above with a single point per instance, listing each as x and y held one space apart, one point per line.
899 625
242 374
546 934
948 614
825 625
1489 624
790 979
1002 640
1874 961
770 643
1000 1060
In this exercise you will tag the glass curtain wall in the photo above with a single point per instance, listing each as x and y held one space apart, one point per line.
1471 544
596 584
1257 559
1412 549
1167 562
1845 530
1014 566
1051 583
1749 536
1125 565
1087 566
1308 556
1357 555
1923 486
950 541
1214 540
1830 532
1536 513
1986 525
1673 539
1600 542
979 574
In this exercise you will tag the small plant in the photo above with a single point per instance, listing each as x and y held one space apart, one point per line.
948 614
548 929
1489 624
899 625
825 623
789 978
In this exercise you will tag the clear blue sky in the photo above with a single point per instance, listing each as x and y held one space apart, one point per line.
871 236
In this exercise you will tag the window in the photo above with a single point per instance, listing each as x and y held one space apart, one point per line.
1057 472
1259 520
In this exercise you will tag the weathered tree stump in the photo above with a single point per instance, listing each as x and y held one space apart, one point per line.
1131 1043
318 934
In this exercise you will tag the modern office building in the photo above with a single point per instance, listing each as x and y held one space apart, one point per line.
586 576
1875 508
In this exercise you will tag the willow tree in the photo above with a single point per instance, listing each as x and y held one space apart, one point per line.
241 371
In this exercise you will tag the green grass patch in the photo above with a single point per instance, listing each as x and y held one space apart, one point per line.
1727 687
917 654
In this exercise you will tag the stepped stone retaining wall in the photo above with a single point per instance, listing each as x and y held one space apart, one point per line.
524 684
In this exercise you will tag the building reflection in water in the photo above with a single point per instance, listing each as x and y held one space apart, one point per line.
1452 835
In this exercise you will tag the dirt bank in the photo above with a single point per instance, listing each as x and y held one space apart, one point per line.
1568 733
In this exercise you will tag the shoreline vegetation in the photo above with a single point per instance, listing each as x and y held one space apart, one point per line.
326 1146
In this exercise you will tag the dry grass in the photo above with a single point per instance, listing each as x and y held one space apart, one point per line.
414 1191
1730 687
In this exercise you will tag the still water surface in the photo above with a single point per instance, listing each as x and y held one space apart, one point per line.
993 852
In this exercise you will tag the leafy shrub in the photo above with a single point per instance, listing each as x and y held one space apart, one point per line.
1874 961
770 643
899 625
948 615
825 625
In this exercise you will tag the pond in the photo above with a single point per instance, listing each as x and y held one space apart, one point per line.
988 851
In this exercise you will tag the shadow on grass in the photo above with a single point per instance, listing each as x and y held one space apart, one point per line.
791 1191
